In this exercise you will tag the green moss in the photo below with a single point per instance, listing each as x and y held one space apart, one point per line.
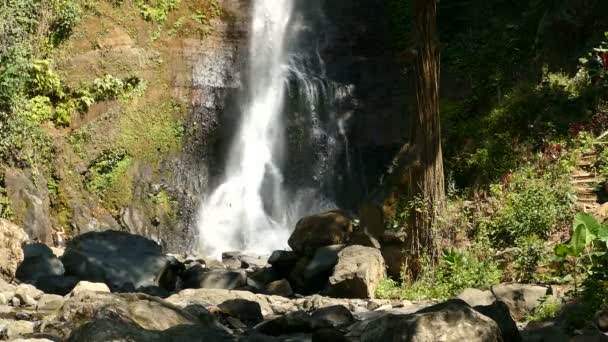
107 170
151 130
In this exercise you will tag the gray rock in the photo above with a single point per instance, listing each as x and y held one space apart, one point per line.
453 321
29 194
357 274
331 317
59 285
283 261
294 322
117 258
35 267
476 297
362 237
199 277
232 260
16 329
499 312
49 302
323 262
325 229
86 286
31 250
245 310
328 335
279 288
522 299
12 237
28 294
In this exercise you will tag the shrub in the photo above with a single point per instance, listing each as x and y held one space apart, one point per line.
156 10
530 253
39 110
44 81
455 272
105 170
67 15
64 111
532 201
108 87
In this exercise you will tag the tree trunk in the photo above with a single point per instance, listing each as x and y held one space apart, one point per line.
426 180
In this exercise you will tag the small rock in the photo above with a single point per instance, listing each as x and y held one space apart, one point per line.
49 302
231 260
28 294
245 310
331 317
85 286
15 329
15 302
279 288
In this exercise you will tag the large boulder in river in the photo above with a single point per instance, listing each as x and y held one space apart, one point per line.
198 277
452 321
12 238
325 229
357 274
522 299
120 259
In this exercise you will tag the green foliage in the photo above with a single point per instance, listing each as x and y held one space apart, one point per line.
64 112
39 109
547 310
105 170
67 15
534 202
584 261
455 272
530 252
108 87
156 10
44 81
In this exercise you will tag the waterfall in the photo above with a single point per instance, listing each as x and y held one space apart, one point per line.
247 211
254 208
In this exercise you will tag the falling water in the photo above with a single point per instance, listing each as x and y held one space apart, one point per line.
255 209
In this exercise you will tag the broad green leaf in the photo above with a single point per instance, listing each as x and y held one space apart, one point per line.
579 239
562 250
602 233
590 223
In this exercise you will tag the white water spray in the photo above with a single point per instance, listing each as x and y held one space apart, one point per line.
248 211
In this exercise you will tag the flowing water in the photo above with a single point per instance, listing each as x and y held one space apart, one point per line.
252 210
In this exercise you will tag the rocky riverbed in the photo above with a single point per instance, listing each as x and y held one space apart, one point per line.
114 286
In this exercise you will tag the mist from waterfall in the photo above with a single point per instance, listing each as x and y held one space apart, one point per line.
252 210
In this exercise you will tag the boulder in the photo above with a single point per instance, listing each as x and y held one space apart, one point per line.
85 286
28 294
293 322
245 310
499 312
279 288
14 329
323 262
357 274
521 299
198 277
325 229
12 238
332 317
59 285
362 237
394 257
452 321
283 261
328 335
31 250
118 258
35 267
143 311
476 297
49 302
120 331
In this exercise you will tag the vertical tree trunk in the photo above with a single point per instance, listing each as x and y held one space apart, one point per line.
426 179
